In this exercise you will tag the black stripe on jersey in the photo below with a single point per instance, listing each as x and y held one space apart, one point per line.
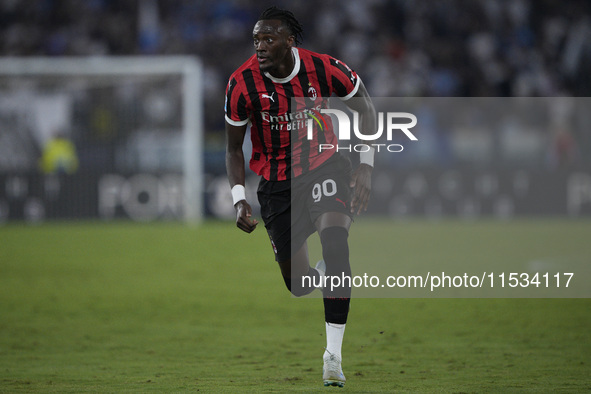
304 81
275 135
251 88
304 84
242 104
321 74
324 89
232 85
306 146
288 87
305 150
338 87
343 69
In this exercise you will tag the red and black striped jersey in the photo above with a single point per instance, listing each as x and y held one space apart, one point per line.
281 149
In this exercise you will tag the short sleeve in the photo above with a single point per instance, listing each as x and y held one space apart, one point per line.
344 81
235 104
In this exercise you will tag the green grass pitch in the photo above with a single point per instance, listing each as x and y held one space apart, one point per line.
122 307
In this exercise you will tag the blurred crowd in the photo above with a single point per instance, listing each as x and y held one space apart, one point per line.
465 48
401 47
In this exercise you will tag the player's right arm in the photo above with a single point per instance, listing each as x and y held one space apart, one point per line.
236 174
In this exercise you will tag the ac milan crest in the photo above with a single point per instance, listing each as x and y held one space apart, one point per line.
312 93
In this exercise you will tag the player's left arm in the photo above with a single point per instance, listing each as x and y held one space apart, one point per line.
361 178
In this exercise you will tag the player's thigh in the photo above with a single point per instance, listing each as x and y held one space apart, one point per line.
298 265
287 230
275 200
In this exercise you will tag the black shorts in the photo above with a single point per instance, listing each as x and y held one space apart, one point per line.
290 208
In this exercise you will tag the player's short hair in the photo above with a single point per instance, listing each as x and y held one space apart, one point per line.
287 18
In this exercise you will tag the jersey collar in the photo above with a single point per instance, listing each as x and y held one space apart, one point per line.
294 72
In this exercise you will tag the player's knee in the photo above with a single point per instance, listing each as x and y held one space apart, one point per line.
298 291
297 286
301 285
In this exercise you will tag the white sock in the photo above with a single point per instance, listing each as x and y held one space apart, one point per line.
334 339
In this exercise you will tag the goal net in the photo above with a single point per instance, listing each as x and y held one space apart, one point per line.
134 126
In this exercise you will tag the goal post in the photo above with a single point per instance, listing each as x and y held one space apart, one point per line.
116 70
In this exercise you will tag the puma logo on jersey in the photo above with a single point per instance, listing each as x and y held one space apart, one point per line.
265 95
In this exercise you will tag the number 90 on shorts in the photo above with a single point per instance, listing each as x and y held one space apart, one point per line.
327 188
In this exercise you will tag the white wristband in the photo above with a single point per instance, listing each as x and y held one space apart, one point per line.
367 157
238 193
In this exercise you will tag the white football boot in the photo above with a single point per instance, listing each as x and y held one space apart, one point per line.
332 373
